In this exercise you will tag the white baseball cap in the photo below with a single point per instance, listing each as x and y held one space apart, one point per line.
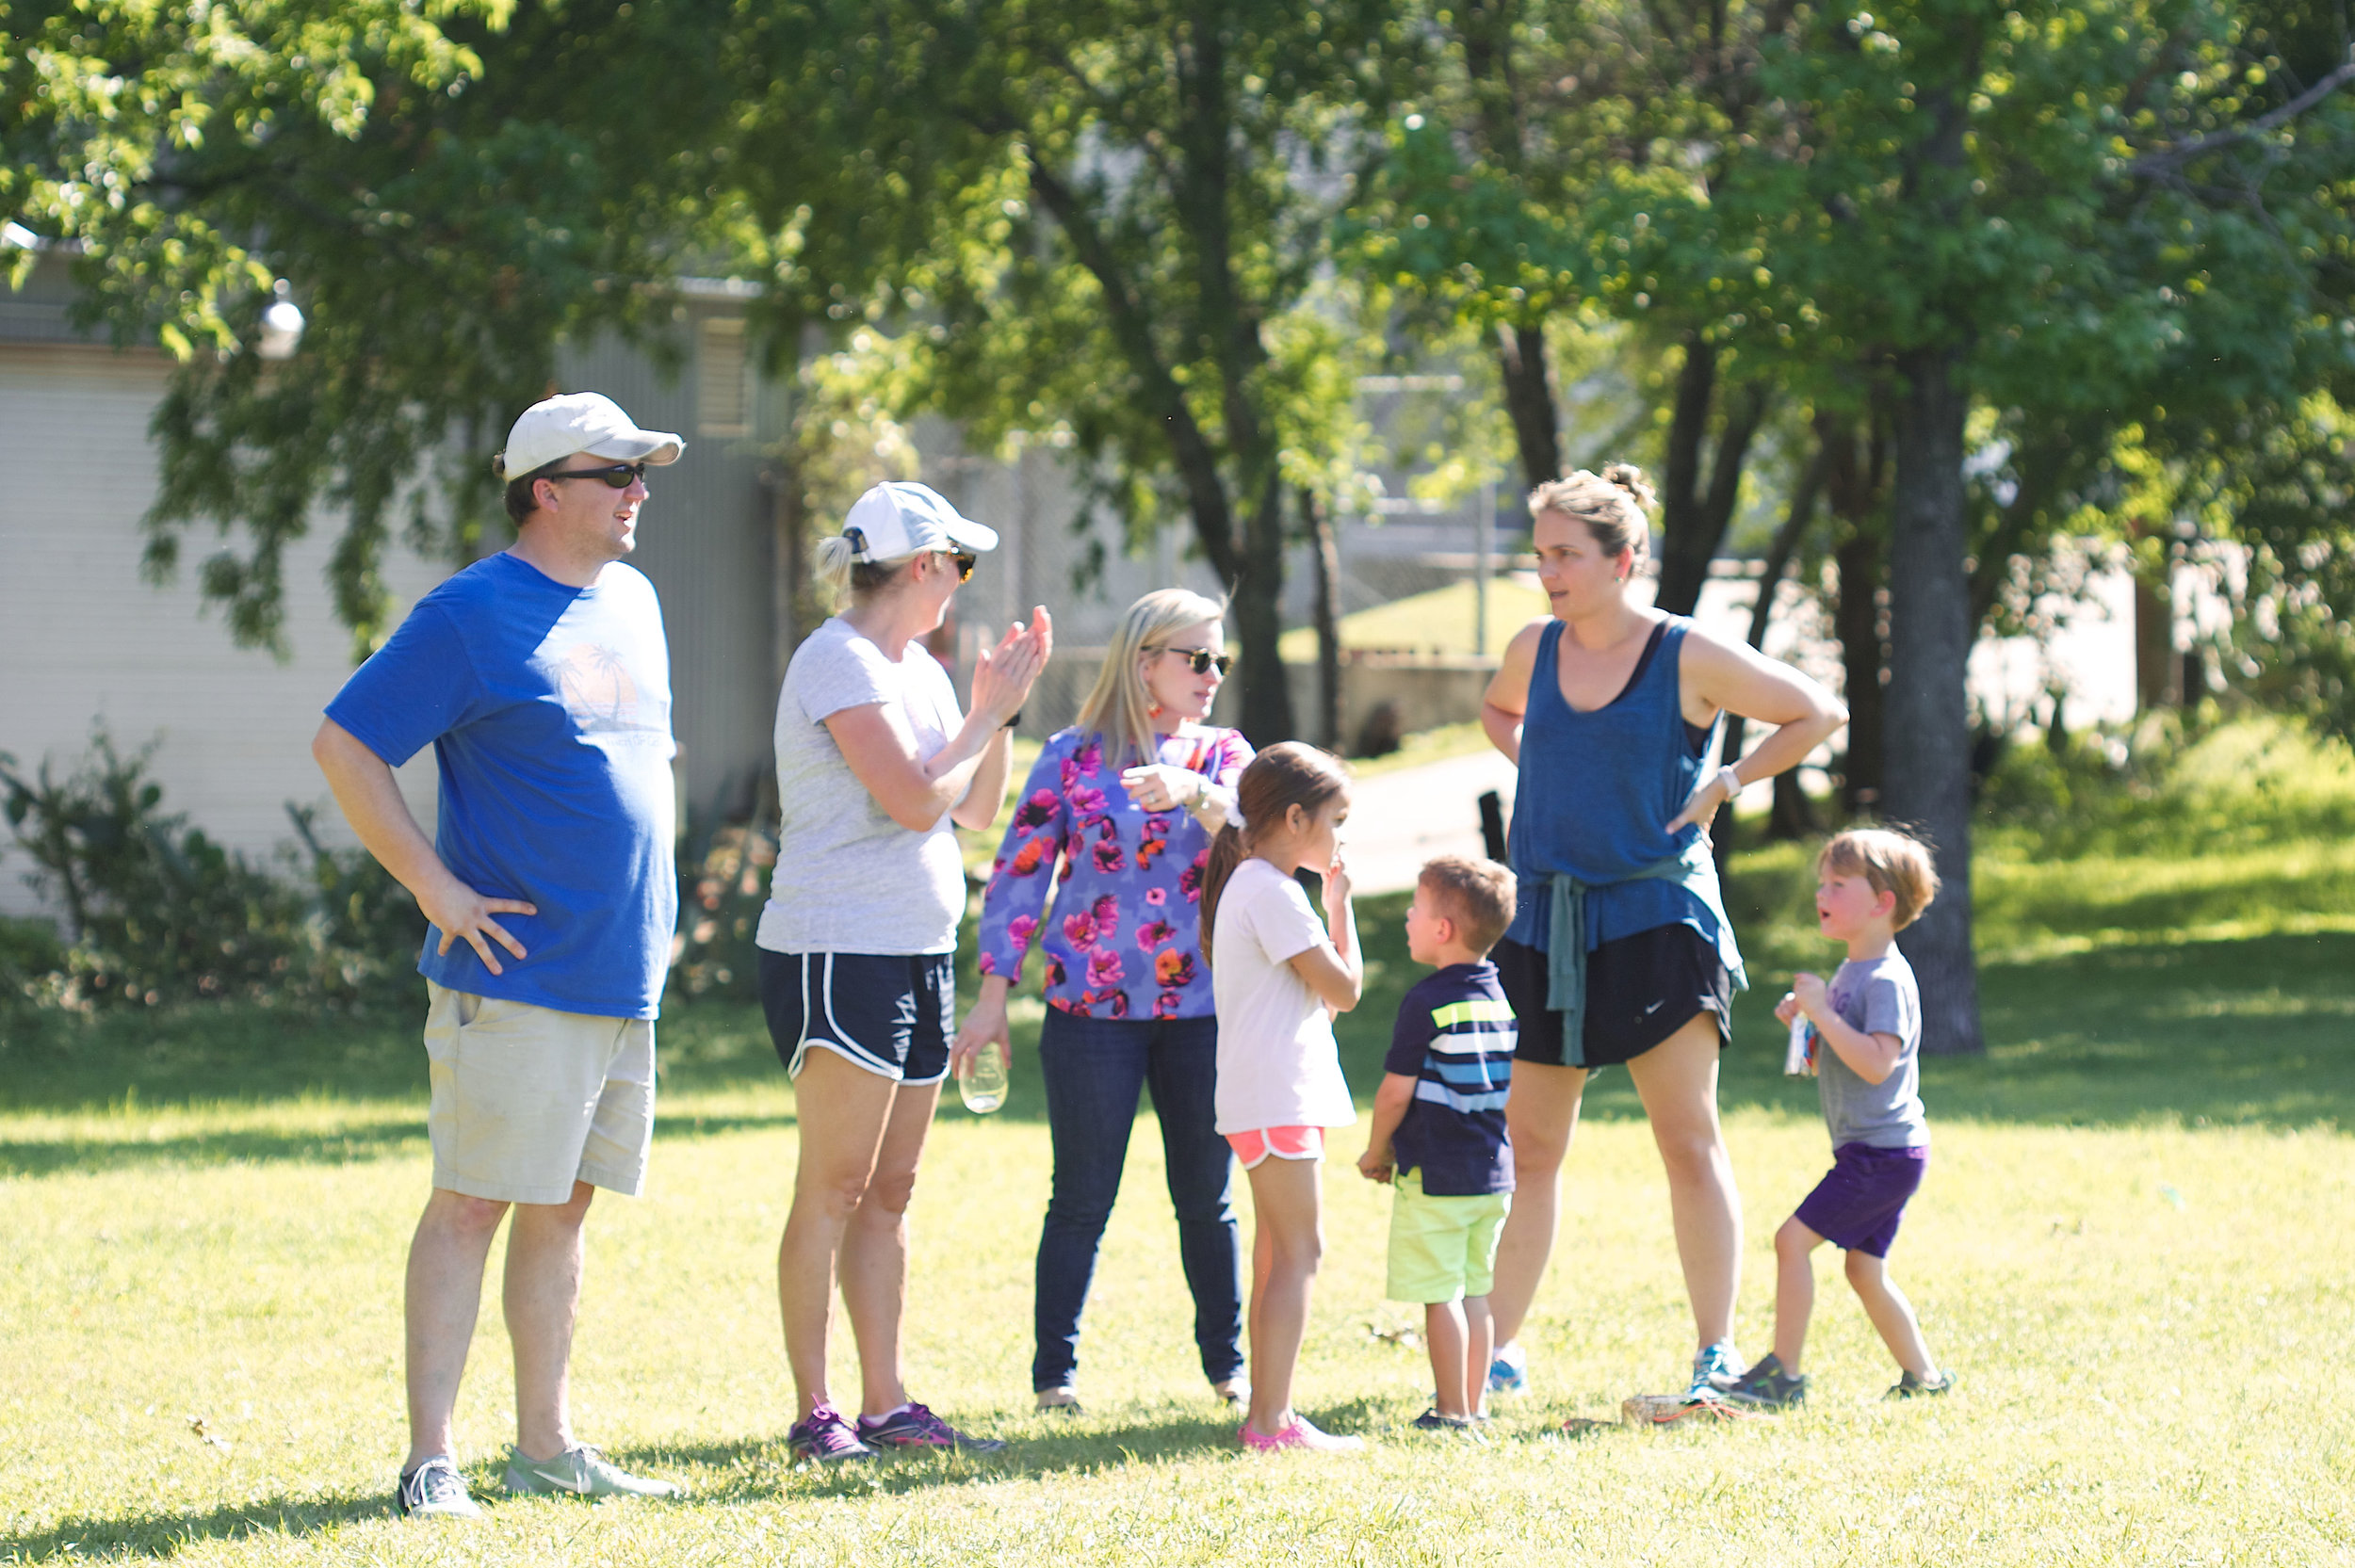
899 518
581 422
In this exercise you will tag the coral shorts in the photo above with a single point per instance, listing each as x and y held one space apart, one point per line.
1283 1142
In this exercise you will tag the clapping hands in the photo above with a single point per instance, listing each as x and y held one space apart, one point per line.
1002 676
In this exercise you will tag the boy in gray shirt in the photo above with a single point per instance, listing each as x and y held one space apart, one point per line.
1870 884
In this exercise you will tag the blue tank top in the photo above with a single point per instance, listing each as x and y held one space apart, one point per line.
1597 791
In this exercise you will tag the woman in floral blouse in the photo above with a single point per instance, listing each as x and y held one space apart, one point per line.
1115 821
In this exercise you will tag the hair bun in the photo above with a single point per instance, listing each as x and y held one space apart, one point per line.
1631 479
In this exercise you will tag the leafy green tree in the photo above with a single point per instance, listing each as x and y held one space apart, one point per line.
453 190
1126 203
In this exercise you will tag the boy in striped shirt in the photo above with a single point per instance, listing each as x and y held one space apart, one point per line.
1439 1127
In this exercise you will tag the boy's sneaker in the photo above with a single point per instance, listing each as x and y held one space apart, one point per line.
1233 1391
1509 1372
1300 1434
579 1471
825 1436
1431 1420
434 1489
911 1426
1066 1399
1913 1386
1717 1369
1766 1387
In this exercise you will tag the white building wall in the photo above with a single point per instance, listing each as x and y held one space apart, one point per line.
85 640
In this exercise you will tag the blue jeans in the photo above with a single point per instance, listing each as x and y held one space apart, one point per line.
1094 1068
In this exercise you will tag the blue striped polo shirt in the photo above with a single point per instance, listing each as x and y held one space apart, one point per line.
1455 1038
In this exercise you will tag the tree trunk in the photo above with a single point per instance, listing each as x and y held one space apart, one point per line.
1529 400
1857 622
1329 568
1256 595
1928 736
1779 554
1694 518
1854 471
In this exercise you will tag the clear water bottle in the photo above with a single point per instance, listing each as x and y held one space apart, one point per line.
982 1083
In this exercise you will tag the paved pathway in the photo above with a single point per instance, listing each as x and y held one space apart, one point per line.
1399 820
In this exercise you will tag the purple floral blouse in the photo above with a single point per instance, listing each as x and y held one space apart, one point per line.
1124 940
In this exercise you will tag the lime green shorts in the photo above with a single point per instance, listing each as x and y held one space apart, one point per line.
1443 1248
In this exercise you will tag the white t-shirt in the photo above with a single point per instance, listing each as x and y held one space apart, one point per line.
1278 1063
848 879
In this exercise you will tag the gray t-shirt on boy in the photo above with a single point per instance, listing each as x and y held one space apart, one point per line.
848 879
1879 996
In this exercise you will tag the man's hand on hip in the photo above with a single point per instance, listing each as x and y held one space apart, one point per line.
458 910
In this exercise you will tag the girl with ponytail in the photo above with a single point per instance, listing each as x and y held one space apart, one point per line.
1280 976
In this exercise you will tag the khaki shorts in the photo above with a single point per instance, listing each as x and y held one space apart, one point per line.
527 1100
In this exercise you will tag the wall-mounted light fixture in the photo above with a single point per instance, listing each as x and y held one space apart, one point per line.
281 324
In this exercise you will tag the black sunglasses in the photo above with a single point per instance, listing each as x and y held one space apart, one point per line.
1201 660
965 562
619 476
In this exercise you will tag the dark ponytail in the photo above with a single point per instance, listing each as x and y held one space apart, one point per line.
1285 775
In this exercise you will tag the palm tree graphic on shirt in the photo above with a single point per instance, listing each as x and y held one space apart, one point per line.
595 685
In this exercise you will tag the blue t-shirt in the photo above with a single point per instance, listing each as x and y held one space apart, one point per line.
1455 1038
548 709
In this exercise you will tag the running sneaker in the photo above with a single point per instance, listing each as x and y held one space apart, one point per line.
911 1426
1431 1420
1066 1399
1767 1386
434 1489
1300 1434
579 1471
1912 1385
1509 1372
1233 1391
825 1436
1717 1369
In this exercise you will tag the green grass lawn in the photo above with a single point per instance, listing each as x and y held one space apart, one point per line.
2132 1246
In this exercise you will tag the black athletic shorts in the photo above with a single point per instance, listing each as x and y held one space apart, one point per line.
1640 990
891 1013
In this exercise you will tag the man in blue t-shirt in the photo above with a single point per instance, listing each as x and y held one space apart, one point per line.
541 680
1439 1127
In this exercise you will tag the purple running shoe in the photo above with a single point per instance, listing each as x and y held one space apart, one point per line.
825 1436
918 1427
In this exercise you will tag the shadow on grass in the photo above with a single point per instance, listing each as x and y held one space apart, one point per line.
2249 1032
164 1534
738 1472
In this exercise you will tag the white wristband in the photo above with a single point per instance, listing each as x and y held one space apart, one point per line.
1730 780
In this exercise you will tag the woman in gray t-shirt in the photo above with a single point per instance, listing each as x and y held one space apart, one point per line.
857 977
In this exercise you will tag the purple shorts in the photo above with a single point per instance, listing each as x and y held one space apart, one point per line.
1856 1205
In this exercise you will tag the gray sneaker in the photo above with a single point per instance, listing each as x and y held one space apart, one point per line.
579 1471
1912 1385
1767 1386
434 1489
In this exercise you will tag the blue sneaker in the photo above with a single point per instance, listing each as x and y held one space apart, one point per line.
1509 1372
1717 1369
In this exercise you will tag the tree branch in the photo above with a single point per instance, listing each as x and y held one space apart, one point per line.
2168 161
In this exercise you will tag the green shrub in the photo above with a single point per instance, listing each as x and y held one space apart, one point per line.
157 912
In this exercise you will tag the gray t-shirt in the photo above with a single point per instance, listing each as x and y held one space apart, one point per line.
848 879
1879 996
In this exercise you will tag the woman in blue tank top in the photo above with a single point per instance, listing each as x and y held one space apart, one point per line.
1621 951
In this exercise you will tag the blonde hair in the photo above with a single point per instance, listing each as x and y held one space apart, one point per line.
1611 504
1118 706
1478 894
1289 774
1889 861
846 580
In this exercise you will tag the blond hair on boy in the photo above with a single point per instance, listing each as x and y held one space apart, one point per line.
1477 894
1889 861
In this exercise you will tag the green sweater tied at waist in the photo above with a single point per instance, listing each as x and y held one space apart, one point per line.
1695 870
